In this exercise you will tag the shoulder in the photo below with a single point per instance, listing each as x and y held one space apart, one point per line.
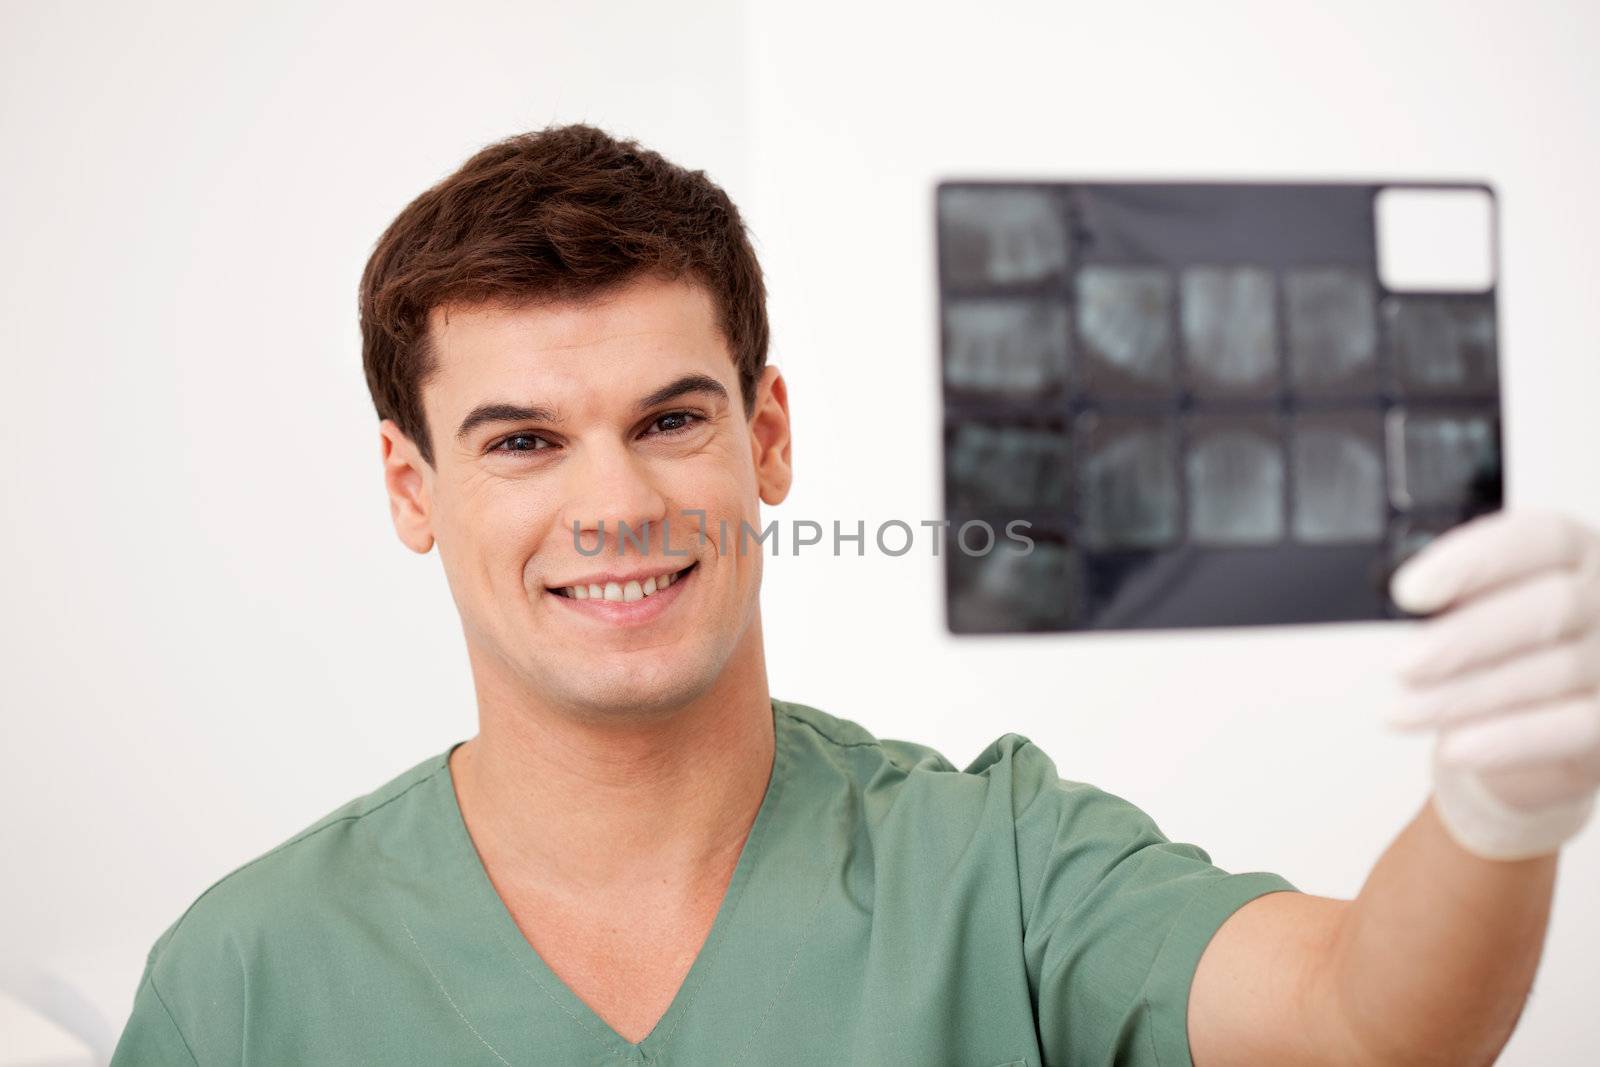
1011 759
838 737
910 782
284 891
1011 792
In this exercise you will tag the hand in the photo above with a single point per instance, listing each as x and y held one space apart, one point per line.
1508 672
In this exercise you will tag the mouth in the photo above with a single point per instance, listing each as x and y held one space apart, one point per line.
621 598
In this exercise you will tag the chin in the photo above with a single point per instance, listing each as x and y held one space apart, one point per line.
629 686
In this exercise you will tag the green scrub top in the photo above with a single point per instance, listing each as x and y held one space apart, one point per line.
886 909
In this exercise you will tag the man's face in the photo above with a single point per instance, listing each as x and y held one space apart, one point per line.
626 410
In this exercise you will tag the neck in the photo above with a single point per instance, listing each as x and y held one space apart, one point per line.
569 805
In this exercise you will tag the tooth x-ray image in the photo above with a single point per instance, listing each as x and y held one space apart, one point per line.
1204 402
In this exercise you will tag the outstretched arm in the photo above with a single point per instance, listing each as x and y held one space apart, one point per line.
1433 961
1430 964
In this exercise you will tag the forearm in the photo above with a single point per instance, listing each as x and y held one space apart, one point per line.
1434 959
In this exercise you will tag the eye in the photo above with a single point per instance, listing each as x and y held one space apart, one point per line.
522 442
673 422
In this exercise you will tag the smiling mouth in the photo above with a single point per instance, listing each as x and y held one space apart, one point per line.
623 591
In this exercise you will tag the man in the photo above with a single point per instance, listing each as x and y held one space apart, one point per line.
642 857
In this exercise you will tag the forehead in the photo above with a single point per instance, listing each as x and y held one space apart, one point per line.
641 331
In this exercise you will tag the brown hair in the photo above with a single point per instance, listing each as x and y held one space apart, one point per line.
560 214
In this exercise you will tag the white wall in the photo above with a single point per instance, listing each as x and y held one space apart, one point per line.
200 582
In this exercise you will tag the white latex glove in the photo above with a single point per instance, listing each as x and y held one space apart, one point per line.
1508 672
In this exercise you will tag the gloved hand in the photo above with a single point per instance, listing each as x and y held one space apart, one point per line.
1508 672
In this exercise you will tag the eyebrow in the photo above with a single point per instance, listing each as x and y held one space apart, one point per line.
485 413
687 385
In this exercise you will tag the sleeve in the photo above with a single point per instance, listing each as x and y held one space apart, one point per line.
151 1037
1115 918
190 1007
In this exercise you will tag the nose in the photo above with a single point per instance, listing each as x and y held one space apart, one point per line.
612 502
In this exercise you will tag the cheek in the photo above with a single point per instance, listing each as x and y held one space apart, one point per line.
723 481
725 503
494 527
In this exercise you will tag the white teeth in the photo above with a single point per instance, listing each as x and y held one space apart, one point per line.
623 592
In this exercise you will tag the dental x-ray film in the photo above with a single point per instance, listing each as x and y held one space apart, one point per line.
1205 401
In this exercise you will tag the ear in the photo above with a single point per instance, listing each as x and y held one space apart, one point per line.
769 437
408 478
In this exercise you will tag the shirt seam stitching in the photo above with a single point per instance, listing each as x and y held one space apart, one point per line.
876 743
305 835
820 732
173 1019
448 998
1149 1035
794 960
600 1039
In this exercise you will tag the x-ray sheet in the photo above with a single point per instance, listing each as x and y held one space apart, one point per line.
1201 403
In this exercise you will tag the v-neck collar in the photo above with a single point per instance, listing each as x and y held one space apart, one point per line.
475 951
